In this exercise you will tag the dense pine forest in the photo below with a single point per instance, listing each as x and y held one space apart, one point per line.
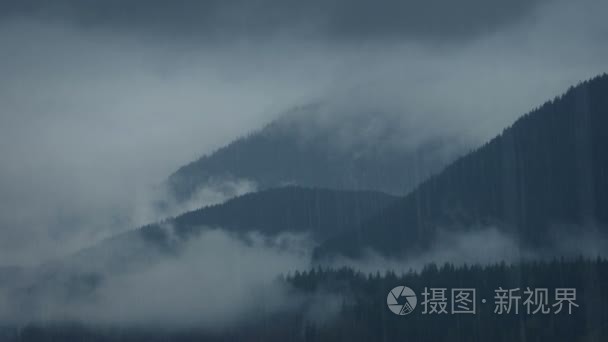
364 315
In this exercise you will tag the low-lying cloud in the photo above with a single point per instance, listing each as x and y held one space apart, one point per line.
484 246
221 280
217 280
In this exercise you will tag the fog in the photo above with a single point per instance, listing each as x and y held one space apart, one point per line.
90 123
483 246
97 110
216 281
221 280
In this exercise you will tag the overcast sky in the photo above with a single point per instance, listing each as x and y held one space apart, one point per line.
101 99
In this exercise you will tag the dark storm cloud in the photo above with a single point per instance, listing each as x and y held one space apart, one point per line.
337 19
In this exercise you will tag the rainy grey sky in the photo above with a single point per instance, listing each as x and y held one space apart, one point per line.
99 100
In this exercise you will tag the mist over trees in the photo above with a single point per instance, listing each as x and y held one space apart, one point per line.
360 312
340 151
311 146
541 185
543 177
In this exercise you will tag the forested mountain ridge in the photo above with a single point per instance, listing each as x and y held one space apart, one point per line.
280 216
316 213
543 176
320 212
546 174
296 150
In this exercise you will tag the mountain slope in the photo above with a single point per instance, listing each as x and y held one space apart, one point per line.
360 152
320 212
316 213
546 174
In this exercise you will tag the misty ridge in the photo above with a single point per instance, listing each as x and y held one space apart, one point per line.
180 272
270 170
322 146
107 99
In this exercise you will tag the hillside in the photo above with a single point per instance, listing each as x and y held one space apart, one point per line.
351 152
317 213
545 175
310 213
320 212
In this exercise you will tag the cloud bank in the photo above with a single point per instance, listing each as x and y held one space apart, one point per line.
100 100
221 280
215 282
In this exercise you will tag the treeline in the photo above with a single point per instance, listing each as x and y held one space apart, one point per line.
364 314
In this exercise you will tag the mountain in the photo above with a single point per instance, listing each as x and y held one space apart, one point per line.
545 175
315 213
321 213
312 147
542 178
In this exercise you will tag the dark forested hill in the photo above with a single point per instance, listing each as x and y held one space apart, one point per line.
315 213
320 212
296 149
545 174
